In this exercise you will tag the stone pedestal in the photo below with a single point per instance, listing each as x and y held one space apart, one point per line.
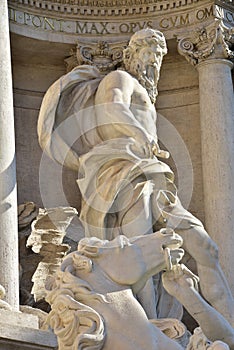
217 138
8 207
20 331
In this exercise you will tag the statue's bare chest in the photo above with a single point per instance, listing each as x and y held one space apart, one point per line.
143 110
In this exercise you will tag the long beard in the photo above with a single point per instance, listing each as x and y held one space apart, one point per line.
147 76
149 85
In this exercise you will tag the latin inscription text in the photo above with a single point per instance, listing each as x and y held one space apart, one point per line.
99 28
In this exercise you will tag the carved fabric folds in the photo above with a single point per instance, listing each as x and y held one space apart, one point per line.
59 123
68 132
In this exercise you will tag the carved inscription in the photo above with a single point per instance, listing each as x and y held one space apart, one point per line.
76 27
187 18
165 23
174 21
109 28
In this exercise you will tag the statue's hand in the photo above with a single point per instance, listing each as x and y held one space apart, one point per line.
159 152
218 345
170 250
169 247
178 280
151 255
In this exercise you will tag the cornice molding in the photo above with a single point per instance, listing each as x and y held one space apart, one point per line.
228 4
105 7
39 20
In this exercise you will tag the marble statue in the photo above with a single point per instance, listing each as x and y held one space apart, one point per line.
93 303
104 127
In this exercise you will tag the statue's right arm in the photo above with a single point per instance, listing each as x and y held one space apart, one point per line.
113 102
179 282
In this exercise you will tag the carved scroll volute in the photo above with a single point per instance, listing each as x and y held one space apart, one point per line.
212 41
105 56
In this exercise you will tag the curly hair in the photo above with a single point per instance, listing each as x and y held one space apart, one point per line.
144 37
76 325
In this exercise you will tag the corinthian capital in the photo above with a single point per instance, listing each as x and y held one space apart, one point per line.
207 42
105 56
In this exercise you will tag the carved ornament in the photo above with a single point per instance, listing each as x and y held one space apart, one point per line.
105 56
119 21
105 7
207 42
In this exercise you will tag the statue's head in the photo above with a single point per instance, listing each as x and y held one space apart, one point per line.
143 58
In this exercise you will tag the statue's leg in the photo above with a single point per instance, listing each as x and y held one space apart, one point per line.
213 283
134 208
201 247
181 283
133 205
135 219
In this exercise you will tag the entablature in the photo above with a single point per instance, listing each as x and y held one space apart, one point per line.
114 20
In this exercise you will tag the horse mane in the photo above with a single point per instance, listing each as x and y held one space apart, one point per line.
77 325
92 247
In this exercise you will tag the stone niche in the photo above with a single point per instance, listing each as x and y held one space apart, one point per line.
44 39
43 35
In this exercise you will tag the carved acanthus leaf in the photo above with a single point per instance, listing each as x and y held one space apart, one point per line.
212 41
106 57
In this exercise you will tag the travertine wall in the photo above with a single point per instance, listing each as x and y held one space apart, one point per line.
32 75
178 101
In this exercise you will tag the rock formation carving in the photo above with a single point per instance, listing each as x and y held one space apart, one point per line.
46 239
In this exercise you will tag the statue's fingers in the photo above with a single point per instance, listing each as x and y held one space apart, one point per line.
174 273
172 241
190 274
176 256
178 272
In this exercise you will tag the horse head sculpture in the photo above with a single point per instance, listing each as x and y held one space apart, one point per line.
92 295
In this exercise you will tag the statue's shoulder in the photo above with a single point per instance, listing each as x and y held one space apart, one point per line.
117 78
118 74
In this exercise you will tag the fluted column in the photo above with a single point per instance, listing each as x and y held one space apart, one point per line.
8 204
208 50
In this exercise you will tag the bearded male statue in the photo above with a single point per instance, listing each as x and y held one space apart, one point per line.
106 127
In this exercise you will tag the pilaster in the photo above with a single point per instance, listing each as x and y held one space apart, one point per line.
208 49
9 277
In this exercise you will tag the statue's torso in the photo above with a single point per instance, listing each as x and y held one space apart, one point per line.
137 103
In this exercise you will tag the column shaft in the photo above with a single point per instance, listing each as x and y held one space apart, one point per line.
217 137
8 201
